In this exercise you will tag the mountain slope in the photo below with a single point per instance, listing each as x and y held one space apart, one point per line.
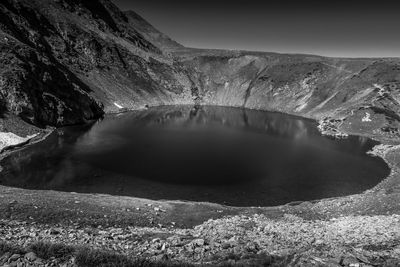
67 61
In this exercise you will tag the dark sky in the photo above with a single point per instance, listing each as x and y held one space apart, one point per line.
333 28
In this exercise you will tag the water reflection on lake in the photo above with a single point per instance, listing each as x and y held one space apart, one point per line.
226 155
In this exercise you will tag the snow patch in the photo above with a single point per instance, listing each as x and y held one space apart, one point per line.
118 106
11 139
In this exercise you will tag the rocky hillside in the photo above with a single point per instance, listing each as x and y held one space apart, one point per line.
68 61
359 95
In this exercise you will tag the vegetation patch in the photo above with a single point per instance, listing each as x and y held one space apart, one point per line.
45 250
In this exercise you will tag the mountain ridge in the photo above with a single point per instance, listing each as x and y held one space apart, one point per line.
69 61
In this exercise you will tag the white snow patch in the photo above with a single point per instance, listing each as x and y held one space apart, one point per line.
325 101
11 139
301 107
366 118
362 94
118 106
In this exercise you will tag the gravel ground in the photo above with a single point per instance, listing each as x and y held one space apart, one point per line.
344 241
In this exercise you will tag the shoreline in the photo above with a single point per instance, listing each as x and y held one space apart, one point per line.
33 140
8 150
167 222
379 150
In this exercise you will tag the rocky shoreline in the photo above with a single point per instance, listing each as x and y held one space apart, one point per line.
159 237
358 230
329 127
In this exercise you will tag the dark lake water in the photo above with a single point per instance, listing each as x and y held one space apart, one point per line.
217 154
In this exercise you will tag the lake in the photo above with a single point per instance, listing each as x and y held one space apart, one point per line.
231 156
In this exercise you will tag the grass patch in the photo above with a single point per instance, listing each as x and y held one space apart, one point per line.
6 247
258 260
45 250
84 256
87 257
92 258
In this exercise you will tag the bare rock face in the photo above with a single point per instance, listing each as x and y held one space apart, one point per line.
33 83
33 87
68 61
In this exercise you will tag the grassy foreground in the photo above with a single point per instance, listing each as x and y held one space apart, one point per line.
45 253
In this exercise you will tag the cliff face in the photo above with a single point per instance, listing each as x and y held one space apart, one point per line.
66 61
